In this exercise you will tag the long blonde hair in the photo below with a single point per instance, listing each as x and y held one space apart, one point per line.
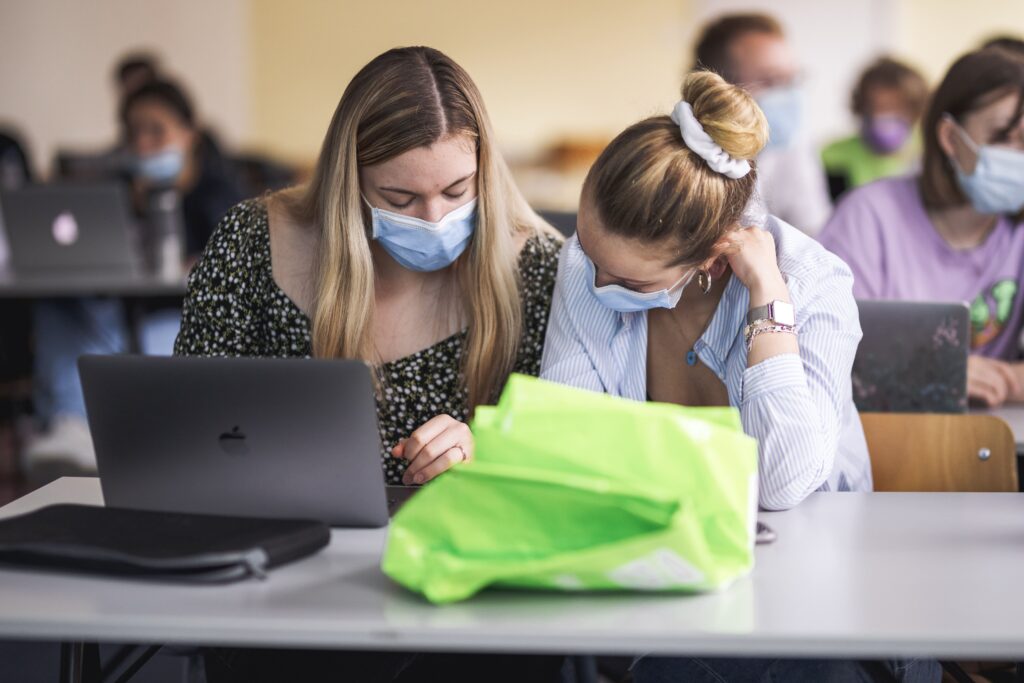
647 184
407 98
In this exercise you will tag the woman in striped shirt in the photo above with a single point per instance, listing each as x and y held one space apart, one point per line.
672 291
663 295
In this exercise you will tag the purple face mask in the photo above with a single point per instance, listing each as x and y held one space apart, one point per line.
885 133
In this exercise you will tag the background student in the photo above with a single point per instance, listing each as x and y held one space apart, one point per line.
132 71
751 50
953 232
168 150
888 100
167 153
16 171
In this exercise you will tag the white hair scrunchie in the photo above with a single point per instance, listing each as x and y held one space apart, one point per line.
697 139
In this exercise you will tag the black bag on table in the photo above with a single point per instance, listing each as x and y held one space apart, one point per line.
155 545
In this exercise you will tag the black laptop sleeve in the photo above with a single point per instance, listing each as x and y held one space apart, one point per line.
156 545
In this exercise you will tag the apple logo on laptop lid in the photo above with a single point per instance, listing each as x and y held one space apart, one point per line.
65 229
233 442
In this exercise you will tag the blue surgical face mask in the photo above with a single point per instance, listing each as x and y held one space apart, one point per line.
997 184
421 245
162 167
624 300
783 108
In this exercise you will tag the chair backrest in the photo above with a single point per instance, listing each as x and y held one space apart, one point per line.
563 221
940 452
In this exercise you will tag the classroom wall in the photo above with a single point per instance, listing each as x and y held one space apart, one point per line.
546 69
267 74
935 32
56 58
591 67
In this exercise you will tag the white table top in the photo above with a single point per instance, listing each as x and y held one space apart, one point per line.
77 284
852 575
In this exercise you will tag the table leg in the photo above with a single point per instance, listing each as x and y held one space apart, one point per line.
134 661
80 663
70 663
134 312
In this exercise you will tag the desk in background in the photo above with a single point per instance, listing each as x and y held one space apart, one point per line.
72 284
140 291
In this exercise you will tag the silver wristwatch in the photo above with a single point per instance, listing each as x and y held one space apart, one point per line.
778 312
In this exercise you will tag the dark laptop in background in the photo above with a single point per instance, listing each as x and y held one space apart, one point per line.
53 229
913 357
246 437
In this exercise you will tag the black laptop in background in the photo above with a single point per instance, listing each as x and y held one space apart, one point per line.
61 228
913 357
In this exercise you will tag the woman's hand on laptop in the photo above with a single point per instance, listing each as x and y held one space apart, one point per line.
436 446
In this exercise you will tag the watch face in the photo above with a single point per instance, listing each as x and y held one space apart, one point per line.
782 313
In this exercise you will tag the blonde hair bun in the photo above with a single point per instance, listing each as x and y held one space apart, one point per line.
728 114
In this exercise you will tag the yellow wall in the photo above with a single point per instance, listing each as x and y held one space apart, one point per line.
555 68
933 33
546 67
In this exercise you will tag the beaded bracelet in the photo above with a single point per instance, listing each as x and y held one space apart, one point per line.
765 327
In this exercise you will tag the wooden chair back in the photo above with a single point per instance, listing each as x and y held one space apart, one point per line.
941 452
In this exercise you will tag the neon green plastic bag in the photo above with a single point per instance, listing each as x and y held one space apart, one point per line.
575 490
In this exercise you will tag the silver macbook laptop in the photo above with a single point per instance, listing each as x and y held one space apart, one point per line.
239 436
68 227
913 357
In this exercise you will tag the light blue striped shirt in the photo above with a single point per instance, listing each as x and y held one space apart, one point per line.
798 407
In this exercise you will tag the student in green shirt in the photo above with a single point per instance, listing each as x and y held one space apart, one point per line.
888 99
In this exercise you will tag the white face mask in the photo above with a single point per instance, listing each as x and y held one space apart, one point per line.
997 184
422 245
161 167
625 300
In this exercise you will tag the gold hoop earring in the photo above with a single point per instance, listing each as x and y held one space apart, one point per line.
704 280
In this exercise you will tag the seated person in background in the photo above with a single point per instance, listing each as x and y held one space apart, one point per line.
888 99
15 169
166 149
953 233
15 346
412 249
15 172
130 72
670 291
751 50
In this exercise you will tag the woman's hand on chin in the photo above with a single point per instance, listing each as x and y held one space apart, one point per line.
752 257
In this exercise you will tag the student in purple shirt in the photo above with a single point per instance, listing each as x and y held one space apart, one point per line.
954 232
